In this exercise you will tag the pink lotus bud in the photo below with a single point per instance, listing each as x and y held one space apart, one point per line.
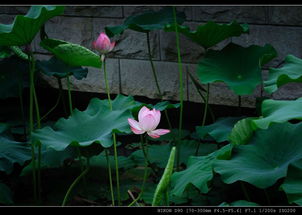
103 44
148 120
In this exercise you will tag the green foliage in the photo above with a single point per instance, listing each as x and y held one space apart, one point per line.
12 152
57 68
242 131
146 21
238 67
199 172
290 72
266 158
292 185
72 54
220 130
159 154
211 33
99 123
278 111
163 185
24 28
239 203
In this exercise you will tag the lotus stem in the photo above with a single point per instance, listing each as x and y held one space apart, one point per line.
62 96
245 191
31 120
76 181
69 95
156 79
113 134
181 94
145 172
204 113
110 176
54 107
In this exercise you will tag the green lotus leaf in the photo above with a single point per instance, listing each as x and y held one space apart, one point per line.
5 52
24 28
72 54
199 172
146 21
57 68
101 161
159 154
165 105
292 185
6 196
239 67
266 158
242 131
94 125
211 33
238 203
278 111
290 72
172 135
164 183
219 131
13 77
12 152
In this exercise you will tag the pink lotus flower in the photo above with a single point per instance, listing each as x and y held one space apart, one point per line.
103 44
148 120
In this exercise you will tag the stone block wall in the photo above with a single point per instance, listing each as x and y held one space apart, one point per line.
129 70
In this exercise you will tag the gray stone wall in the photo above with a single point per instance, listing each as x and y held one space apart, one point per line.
129 70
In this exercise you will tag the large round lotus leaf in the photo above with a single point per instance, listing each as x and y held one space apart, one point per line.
72 54
211 33
147 21
199 172
59 69
292 185
13 77
290 72
159 154
239 67
220 130
266 158
24 28
94 125
238 203
278 111
12 152
242 131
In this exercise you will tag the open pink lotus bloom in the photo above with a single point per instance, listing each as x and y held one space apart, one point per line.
103 44
148 120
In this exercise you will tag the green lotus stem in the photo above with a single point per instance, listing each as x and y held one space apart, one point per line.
204 113
62 96
145 172
156 79
38 126
31 121
76 181
180 89
52 109
203 98
22 110
69 95
107 85
267 197
113 135
110 177
245 191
